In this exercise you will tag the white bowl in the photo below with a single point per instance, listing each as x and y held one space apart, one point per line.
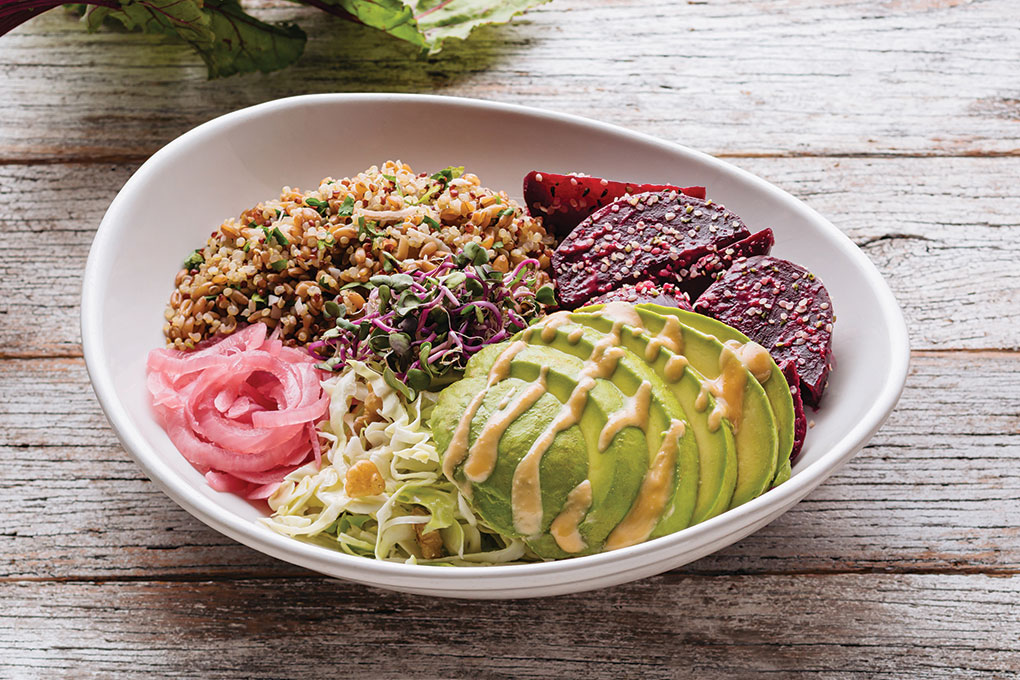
226 165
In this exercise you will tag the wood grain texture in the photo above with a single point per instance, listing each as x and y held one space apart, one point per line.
946 239
673 626
74 506
730 77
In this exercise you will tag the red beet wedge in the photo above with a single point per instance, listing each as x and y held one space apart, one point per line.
710 267
781 306
666 294
789 369
562 201
647 237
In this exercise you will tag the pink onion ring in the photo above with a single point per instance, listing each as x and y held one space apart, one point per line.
242 410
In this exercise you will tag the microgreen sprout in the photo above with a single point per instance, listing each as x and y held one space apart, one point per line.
321 207
420 328
346 208
196 258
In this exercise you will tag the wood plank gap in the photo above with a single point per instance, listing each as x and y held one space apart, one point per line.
992 351
868 155
77 159
988 351
114 158
962 570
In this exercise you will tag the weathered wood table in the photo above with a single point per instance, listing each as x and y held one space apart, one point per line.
898 119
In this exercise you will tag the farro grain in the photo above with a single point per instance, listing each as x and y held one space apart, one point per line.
324 253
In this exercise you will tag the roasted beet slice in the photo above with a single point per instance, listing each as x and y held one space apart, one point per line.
781 306
562 201
666 294
647 237
710 267
789 370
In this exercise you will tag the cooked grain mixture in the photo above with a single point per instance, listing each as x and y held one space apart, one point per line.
282 261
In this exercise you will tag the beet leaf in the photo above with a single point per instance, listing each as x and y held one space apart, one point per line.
231 41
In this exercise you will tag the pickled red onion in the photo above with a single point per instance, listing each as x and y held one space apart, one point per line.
242 411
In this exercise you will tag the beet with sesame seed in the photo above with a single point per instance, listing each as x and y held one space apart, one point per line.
562 201
710 267
648 237
666 294
789 369
781 306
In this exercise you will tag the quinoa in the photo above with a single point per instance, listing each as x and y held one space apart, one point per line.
282 261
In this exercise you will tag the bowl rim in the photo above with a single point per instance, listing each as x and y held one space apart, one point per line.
363 569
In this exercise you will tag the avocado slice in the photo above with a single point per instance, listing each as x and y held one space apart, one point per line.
716 447
776 388
631 371
783 474
615 474
756 437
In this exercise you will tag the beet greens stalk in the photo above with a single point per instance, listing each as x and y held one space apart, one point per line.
13 14
420 328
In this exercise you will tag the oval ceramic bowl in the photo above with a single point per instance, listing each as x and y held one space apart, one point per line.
226 165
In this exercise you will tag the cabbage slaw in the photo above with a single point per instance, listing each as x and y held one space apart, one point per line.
313 504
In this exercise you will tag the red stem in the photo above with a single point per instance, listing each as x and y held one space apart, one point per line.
427 12
13 14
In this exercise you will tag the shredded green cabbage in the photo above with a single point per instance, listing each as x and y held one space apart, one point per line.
313 505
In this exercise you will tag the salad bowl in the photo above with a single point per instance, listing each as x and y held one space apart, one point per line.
227 164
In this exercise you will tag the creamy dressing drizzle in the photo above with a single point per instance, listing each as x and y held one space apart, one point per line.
675 366
551 323
701 403
622 312
728 388
634 413
735 362
574 336
605 365
651 500
610 339
672 335
652 349
481 459
526 490
754 357
457 449
564 528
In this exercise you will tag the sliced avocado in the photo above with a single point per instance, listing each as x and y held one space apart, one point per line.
631 371
756 438
452 403
483 360
615 474
716 447
776 389
783 474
